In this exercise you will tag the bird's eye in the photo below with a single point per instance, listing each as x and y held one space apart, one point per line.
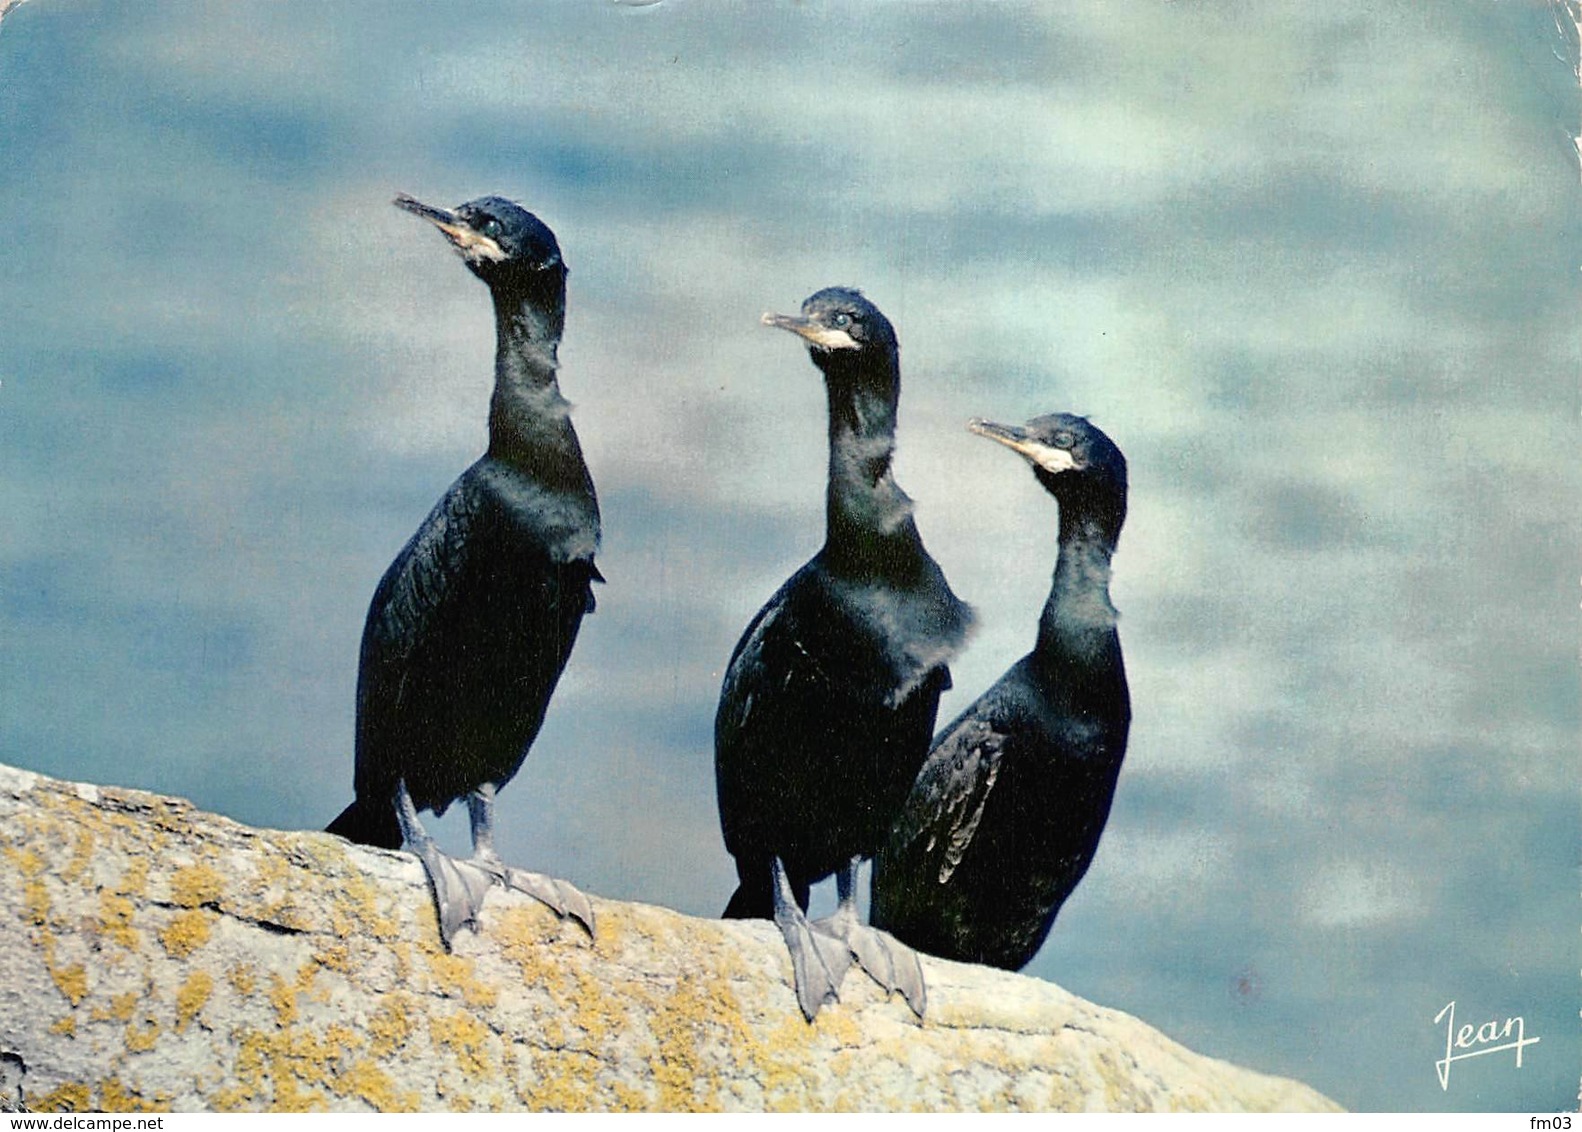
841 320
1063 439
491 228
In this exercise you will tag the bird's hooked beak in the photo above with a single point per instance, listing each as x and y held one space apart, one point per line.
474 247
1019 440
815 332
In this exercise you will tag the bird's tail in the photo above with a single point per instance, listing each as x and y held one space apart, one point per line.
747 904
368 824
754 898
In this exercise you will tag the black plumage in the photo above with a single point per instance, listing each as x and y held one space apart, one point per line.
1006 815
830 696
472 624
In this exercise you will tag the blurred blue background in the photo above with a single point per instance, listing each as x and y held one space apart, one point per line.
1313 266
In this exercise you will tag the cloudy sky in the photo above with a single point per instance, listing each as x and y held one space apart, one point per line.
1313 266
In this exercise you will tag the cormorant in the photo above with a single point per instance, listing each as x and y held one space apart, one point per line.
1006 814
830 696
471 625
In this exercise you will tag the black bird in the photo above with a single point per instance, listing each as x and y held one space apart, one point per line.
472 624
1005 816
830 696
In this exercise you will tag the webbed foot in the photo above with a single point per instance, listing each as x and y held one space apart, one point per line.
561 897
459 888
819 962
888 961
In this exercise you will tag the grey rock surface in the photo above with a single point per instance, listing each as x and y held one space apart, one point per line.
156 957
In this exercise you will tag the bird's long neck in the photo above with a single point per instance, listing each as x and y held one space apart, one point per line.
529 421
868 518
1078 621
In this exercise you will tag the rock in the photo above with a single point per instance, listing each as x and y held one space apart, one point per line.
154 957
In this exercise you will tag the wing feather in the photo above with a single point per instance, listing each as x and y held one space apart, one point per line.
408 613
947 802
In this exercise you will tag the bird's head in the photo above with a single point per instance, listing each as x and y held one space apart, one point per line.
837 321
1069 454
498 239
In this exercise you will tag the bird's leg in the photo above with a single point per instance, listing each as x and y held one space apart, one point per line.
562 897
458 889
480 809
818 962
891 964
845 916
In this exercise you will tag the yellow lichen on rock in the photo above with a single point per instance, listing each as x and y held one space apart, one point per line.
358 912
522 933
337 957
68 1096
76 868
243 978
364 1080
142 1038
185 932
114 1096
454 975
467 1039
679 1066
35 897
115 921
192 997
390 1025
196 885
285 994
120 1009
71 980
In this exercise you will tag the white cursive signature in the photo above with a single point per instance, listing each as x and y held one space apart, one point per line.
1475 1040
